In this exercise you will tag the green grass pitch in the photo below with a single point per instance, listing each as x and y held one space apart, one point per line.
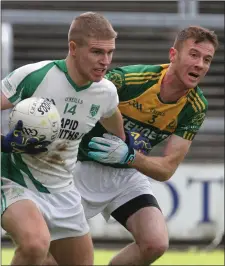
192 257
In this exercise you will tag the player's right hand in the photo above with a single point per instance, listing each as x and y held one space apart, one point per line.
110 149
15 142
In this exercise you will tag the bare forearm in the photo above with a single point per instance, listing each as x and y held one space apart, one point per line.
163 167
114 125
157 168
5 103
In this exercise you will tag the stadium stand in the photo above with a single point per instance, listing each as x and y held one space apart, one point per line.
123 6
205 7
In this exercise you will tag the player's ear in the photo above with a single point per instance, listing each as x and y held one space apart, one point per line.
172 54
72 48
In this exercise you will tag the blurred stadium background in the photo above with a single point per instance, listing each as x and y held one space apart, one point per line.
193 200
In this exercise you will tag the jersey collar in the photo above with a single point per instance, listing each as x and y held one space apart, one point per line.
61 64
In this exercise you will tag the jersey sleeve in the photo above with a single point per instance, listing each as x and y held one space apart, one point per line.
10 87
16 86
117 77
22 82
191 123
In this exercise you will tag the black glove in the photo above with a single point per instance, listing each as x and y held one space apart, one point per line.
15 142
136 141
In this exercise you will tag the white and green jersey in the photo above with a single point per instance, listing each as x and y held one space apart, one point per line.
80 108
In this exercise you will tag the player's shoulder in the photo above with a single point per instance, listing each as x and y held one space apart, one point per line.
107 86
22 72
201 95
108 83
143 68
129 75
197 101
140 68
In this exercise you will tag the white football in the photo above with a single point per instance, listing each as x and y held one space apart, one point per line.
39 116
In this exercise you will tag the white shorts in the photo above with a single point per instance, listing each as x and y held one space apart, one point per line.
62 211
104 189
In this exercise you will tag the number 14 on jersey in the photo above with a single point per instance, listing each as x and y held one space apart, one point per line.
70 108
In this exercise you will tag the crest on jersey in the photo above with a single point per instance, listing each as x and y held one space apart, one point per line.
94 109
198 119
116 79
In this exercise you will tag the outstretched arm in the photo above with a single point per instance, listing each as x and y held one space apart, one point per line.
111 149
162 168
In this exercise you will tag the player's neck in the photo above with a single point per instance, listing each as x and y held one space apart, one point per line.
74 74
171 89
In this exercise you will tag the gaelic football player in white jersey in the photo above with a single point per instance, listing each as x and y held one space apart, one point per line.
41 208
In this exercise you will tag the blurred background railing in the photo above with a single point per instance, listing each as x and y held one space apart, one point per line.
37 30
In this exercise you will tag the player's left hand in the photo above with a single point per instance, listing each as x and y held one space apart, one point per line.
110 149
138 142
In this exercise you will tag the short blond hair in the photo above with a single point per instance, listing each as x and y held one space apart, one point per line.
90 25
199 34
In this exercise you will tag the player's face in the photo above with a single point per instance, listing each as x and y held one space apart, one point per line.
192 62
93 58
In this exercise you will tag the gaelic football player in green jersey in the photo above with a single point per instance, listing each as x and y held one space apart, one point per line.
159 102
39 201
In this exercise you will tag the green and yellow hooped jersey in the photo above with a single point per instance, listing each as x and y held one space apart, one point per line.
140 104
